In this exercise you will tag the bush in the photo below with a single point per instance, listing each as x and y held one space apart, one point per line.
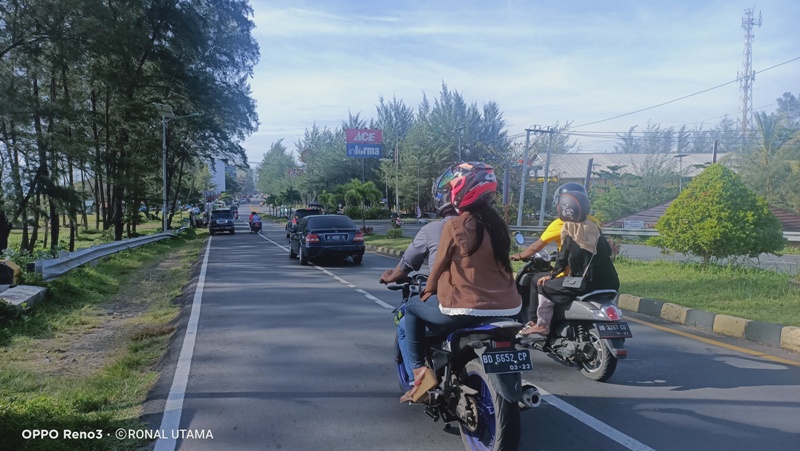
356 212
394 233
716 216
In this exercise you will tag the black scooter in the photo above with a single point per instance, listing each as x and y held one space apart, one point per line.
255 227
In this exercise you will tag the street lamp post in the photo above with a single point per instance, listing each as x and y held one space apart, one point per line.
166 115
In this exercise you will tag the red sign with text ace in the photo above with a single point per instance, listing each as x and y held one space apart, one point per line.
363 136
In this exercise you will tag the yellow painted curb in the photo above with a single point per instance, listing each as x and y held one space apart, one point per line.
730 325
629 302
790 338
674 312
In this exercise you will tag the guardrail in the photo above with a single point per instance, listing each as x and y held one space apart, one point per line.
790 236
51 268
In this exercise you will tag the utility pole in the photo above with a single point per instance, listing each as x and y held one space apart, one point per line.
460 130
524 175
746 77
550 132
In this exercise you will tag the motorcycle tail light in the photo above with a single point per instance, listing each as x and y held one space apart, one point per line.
358 237
312 238
502 344
612 312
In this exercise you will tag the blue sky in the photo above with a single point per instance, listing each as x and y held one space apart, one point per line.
543 62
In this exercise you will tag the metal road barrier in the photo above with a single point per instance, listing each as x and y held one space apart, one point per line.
53 267
790 236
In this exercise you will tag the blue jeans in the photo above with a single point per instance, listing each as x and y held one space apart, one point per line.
402 343
418 315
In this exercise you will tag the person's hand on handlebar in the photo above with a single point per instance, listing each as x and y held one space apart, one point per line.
392 275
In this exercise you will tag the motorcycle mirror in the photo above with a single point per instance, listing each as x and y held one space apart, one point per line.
519 238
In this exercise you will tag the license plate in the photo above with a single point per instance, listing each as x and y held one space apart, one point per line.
337 237
506 361
613 330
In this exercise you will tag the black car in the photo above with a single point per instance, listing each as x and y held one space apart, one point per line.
221 221
296 216
326 236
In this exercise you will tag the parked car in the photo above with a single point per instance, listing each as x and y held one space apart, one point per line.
221 221
296 216
326 236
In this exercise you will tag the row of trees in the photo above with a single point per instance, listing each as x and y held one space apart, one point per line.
78 79
420 143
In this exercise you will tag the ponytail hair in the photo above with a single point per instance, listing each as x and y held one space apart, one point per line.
488 219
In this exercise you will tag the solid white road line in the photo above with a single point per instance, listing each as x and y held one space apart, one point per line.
171 421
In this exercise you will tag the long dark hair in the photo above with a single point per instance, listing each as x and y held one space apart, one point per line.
488 219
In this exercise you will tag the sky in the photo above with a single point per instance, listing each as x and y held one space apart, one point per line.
543 62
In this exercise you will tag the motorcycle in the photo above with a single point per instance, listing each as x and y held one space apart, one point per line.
478 370
255 227
586 332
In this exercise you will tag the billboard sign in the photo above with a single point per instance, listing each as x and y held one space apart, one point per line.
364 143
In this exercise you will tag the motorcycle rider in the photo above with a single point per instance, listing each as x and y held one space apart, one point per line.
255 221
585 253
471 277
552 234
424 247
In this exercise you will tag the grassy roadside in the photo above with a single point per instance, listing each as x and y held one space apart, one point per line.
748 293
84 360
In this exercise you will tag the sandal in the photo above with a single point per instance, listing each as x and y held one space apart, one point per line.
424 380
531 329
524 330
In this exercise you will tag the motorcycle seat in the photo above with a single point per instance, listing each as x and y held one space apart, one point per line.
608 293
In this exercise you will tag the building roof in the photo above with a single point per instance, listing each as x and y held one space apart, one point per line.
789 221
574 165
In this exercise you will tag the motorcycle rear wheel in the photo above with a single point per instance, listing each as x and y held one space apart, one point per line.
498 423
603 365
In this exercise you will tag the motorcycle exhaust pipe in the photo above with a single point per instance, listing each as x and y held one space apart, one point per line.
530 396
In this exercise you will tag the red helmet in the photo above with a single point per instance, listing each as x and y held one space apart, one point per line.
472 184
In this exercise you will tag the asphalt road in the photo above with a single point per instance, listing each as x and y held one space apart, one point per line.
300 358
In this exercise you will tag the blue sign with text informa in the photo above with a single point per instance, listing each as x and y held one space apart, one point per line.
364 150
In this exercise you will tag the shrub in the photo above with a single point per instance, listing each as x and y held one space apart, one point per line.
394 233
716 216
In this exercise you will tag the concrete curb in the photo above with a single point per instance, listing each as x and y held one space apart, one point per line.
786 337
22 296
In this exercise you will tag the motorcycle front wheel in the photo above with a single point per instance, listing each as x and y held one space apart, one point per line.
602 364
496 422
402 375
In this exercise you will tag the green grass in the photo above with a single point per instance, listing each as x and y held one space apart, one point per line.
748 293
134 290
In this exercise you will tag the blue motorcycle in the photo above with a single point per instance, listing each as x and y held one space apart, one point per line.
479 374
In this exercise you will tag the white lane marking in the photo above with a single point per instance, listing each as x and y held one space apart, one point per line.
594 423
171 421
335 277
553 400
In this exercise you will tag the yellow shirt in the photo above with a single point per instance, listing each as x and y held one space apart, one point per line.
553 231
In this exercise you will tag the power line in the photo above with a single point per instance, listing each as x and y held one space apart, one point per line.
684 97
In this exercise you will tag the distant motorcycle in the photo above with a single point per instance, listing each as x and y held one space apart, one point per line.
587 332
255 227
478 370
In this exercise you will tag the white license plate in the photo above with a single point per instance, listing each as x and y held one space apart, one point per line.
511 361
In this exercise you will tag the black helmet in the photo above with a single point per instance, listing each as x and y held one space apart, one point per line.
565 188
573 206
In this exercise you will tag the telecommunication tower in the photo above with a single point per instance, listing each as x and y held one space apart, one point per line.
747 76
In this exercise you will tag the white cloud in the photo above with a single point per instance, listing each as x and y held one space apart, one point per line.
542 61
